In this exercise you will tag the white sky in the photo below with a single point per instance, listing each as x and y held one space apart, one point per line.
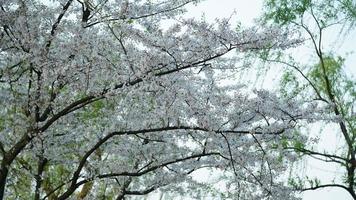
246 11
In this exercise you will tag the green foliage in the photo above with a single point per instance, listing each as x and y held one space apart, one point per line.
55 176
22 181
296 182
298 145
299 183
350 6
130 21
290 85
323 81
2 124
333 70
313 182
327 75
93 111
284 142
343 87
105 192
284 11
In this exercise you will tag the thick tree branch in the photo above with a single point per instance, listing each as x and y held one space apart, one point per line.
58 21
83 160
340 160
141 192
75 185
327 186
40 169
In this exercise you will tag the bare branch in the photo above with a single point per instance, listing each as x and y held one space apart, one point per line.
303 75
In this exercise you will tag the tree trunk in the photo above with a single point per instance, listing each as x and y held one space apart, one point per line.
8 158
3 175
40 168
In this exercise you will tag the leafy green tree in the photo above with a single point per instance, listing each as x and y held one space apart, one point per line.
323 80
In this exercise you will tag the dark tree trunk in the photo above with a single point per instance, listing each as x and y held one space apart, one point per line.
3 176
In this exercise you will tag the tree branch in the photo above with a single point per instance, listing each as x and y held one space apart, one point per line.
58 21
137 17
302 74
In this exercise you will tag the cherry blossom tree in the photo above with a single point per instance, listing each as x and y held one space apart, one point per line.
100 101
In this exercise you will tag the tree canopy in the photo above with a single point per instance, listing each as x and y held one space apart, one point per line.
109 99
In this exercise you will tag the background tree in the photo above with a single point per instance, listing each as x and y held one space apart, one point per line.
99 101
324 80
